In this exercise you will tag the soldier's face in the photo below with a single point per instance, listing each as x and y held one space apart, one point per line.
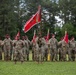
73 39
23 38
53 36
18 37
7 37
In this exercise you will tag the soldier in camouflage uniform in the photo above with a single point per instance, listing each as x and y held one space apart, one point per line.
72 49
25 48
60 49
64 49
35 50
1 44
18 50
46 47
13 41
41 48
53 47
33 45
7 47
28 46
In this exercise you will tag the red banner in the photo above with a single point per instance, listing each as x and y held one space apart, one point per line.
66 37
47 37
35 19
18 34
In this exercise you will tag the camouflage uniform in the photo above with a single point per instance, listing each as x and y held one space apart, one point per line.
13 48
53 47
41 44
27 48
7 48
46 51
35 49
18 50
33 45
64 49
1 43
72 49
60 50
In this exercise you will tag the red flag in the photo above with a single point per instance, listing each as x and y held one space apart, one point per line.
34 37
18 34
47 37
35 19
66 37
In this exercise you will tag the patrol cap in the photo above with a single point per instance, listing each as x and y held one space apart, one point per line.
72 37
26 37
23 37
53 35
62 38
7 35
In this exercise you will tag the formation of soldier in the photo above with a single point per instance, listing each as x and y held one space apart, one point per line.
20 49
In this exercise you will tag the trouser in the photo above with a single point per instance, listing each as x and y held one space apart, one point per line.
0 55
24 54
60 55
7 55
75 55
33 55
73 52
46 54
27 52
64 52
69 54
18 55
40 54
53 54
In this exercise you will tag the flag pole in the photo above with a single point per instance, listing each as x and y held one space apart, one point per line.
40 27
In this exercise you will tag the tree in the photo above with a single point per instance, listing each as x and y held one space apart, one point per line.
69 28
6 17
67 9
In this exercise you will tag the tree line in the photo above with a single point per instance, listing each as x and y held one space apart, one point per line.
15 13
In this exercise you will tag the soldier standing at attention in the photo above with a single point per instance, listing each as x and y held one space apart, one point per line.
72 48
7 47
35 49
64 49
53 47
28 46
41 44
24 48
18 50
1 44
13 41
60 49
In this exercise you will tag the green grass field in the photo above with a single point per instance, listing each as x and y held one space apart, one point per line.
32 68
